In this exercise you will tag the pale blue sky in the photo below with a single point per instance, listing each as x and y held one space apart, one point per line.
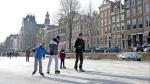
12 12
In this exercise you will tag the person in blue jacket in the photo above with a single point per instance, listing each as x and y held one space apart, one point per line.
39 53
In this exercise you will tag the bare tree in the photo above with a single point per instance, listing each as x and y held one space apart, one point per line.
90 11
68 8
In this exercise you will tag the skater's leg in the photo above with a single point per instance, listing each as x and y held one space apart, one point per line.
56 62
81 60
61 63
76 62
49 63
28 58
40 66
35 64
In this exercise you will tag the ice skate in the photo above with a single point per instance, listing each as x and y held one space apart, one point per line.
33 72
57 72
81 70
48 72
42 74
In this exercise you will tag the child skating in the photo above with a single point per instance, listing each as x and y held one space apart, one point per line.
62 56
39 53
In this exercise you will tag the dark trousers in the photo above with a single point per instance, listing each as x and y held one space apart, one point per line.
62 62
27 58
79 56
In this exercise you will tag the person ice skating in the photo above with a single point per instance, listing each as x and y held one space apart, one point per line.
79 48
28 53
39 53
53 47
62 55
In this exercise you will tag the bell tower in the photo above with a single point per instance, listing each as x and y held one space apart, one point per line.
47 20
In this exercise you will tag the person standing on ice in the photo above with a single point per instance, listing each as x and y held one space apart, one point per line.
39 53
53 47
79 48
62 55
28 53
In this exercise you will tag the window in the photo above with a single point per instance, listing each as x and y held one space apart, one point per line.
105 13
139 2
127 3
140 22
109 29
102 31
117 11
122 36
108 12
139 10
113 27
102 22
118 40
113 19
101 14
123 41
147 21
133 11
114 40
105 41
147 8
128 24
98 32
128 13
129 41
118 27
122 16
133 2
105 29
98 41
109 21
105 22
134 23
117 18
122 26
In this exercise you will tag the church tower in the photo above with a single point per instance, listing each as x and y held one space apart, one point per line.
47 20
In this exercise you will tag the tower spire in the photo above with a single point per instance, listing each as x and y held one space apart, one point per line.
47 20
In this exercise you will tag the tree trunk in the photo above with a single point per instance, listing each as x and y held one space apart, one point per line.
70 32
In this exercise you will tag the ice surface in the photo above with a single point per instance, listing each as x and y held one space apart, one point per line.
17 71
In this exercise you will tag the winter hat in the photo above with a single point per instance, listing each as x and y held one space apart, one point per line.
41 44
80 34
58 37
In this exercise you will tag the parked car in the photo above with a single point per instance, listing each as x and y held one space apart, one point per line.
130 56
145 47
113 49
100 50
87 50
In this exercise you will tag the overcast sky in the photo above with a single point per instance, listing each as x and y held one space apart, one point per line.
13 11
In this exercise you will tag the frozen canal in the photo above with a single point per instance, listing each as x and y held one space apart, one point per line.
17 71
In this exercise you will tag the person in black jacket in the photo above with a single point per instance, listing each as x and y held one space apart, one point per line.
79 49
